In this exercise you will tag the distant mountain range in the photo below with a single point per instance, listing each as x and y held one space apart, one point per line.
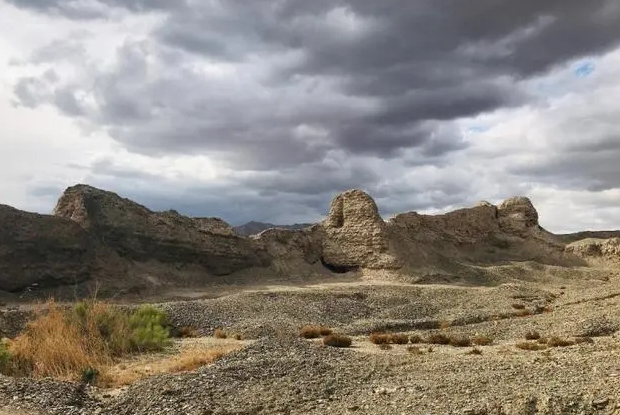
253 228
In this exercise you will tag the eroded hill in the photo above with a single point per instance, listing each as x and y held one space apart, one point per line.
97 238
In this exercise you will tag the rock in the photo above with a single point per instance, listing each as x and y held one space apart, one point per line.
594 248
138 234
355 234
517 215
42 251
600 403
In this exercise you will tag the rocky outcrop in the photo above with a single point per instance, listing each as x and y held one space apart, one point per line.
517 215
95 235
40 251
139 234
355 235
596 249
254 228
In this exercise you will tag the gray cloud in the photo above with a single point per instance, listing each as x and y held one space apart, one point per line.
303 99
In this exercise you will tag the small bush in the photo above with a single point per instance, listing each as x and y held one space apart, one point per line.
89 375
523 313
385 346
237 336
188 332
414 350
559 342
482 341
380 338
531 346
149 327
219 334
438 338
532 335
458 341
414 339
583 339
518 306
475 351
399 339
5 356
312 331
337 340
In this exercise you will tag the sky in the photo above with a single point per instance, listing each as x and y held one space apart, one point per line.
265 110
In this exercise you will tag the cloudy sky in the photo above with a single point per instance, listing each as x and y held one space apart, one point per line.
265 109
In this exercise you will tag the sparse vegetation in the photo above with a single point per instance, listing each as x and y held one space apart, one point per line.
188 332
399 339
438 338
531 346
559 342
337 340
79 343
220 334
583 339
312 331
523 313
380 338
385 346
459 341
518 306
445 324
415 338
482 341
414 350
237 336
475 351
532 335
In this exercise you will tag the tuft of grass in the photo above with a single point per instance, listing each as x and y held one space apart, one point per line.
583 339
237 336
482 341
312 331
380 338
475 351
532 335
415 338
220 334
438 338
523 313
559 342
459 341
337 340
518 306
530 346
385 346
445 324
188 332
414 350
399 339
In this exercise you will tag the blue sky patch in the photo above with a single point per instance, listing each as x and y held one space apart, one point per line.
584 69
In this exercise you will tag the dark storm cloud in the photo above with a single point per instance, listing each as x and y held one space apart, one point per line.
79 9
276 88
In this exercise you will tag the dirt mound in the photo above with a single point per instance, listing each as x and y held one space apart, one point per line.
596 249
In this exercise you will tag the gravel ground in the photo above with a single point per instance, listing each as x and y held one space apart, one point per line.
283 374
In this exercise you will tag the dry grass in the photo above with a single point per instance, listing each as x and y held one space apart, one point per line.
237 336
188 332
52 346
459 341
438 338
312 331
530 346
559 342
532 335
583 339
414 339
445 324
518 306
522 313
380 338
337 340
475 351
385 346
220 334
414 350
482 341
399 339
188 359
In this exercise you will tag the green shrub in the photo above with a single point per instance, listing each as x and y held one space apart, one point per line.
149 329
5 356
